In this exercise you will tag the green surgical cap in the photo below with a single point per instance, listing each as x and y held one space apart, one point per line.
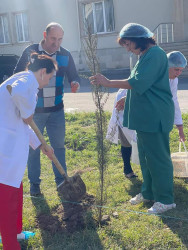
176 59
135 30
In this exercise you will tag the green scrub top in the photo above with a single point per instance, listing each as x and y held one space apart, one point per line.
149 106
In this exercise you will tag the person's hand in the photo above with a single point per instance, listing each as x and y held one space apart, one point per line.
100 80
47 150
181 133
120 104
28 120
75 86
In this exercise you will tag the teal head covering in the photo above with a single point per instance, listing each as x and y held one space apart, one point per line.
176 59
135 30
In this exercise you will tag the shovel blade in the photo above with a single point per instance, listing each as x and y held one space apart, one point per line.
72 189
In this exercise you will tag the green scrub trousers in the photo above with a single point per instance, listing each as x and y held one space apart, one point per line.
156 166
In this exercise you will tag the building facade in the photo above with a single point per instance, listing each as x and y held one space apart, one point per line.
23 21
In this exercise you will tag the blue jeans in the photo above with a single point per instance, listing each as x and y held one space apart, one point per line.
55 126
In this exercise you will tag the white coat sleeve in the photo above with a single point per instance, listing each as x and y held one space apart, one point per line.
174 89
116 119
33 139
23 97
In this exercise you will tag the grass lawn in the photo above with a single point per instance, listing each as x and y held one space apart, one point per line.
133 228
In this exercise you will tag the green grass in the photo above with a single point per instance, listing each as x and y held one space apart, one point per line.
134 228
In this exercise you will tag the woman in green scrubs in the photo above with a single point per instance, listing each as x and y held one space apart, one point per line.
149 110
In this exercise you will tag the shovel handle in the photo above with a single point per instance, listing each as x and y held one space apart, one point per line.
42 140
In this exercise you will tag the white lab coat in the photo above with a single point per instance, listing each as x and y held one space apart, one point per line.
15 135
117 120
174 88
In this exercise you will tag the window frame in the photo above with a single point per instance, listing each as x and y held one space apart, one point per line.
94 17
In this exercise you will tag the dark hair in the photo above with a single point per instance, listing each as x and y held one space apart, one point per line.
141 42
38 61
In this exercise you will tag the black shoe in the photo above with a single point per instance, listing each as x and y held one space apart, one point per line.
131 175
35 189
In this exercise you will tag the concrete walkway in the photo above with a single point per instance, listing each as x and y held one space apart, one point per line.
83 101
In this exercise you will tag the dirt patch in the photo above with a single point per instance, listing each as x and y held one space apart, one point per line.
66 217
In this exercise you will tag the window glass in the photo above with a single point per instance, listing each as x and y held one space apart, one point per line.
22 27
109 12
19 27
88 14
1 30
4 31
99 17
25 26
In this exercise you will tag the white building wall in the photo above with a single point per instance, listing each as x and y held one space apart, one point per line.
41 12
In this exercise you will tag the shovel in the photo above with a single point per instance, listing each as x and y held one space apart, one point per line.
72 188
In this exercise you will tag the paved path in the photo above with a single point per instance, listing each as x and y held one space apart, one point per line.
83 102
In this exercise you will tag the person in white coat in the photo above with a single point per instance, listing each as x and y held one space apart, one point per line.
17 107
176 63
116 132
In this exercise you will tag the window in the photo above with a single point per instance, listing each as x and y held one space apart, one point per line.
4 31
22 28
99 16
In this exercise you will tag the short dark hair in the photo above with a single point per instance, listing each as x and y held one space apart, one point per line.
141 42
38 61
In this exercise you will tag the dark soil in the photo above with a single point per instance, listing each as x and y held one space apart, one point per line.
66 217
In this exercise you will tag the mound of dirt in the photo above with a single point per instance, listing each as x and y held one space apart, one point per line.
66 217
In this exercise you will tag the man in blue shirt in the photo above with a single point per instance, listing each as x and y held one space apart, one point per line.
49 111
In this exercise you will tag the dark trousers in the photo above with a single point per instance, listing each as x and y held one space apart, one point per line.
126 150
126 156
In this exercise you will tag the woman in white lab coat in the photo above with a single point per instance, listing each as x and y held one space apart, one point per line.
176 63
16 111
117 132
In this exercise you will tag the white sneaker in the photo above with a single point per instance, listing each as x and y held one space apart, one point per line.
138 199
158 208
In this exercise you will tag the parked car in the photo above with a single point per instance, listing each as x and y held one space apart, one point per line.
7 65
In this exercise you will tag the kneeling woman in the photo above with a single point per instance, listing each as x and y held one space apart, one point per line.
149 110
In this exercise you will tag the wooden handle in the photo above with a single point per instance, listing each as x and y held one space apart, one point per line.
42 140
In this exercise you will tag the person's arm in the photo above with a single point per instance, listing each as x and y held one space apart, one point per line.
72 75
146 73
28 120
181 132
177 116
120 104
23 61
102 80
47 150
75 86
35 143
174 89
